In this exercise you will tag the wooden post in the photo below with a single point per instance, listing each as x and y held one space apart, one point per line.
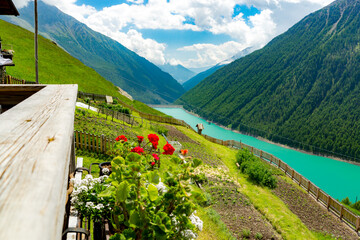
81 140
357 224
93 142
102 144
308 186
300 177
271 159
77 138
23 81
97 144
341 211
292 174
285 169
261 154
328 202
279 164
317 194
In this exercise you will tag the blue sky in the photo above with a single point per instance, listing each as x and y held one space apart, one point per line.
194 33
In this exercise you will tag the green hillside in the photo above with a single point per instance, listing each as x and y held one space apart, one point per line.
302 89
55 65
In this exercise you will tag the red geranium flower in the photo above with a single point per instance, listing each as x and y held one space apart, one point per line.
153 138
153 163
155 144
138 150
140 138
121 137
169 150
155 156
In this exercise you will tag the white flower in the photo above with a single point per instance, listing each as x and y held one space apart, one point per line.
89 204
161 187
99 206
105 171
196 221
188 234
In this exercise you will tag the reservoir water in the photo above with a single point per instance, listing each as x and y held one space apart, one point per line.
338 179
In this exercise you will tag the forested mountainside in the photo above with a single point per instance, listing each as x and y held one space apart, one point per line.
136 75
301 89
192 82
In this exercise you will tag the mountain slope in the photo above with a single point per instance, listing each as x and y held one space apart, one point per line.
140 78
192 82
55 65
303 87
179 72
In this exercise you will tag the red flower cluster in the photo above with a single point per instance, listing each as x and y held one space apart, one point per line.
155 156
140 138
121 137
153 163
169 150
154 139
138 150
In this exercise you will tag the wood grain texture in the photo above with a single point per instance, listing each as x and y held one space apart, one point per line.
35 147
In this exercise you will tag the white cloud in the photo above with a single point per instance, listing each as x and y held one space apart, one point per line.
211 54
214 16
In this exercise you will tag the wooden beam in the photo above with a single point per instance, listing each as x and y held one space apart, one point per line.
35 150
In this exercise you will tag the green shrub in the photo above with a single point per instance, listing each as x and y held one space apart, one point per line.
257 170
159 129
258 236
356 205
346 201
246 233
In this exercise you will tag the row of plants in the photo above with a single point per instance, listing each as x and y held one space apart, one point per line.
258 171
139 198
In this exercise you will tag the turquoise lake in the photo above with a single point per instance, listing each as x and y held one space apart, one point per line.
338 179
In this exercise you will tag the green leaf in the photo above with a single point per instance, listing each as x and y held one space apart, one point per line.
118 160
122 191
143 192
196 163
134 220
153 192
153 177
107 192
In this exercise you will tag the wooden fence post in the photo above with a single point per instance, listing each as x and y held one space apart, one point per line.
317 194
271 159
279 164
23 81
357 224
292 174
328 202
102 144
308 186
341 211
300 177
261 153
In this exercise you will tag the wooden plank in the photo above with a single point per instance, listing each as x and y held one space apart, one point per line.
35 150
73 220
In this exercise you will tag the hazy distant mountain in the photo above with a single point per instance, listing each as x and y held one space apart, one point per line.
303 86
179 72
192 82
136 75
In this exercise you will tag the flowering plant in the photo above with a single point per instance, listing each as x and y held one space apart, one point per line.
86 200
146 206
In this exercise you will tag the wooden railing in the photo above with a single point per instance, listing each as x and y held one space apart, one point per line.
94 143
12 80
337 208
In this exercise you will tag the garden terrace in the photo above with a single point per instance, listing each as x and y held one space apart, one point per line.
36 152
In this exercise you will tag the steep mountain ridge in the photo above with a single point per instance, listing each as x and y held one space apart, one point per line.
179 72
136 75
192 82
301 89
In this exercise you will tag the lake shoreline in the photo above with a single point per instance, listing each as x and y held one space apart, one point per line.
278 144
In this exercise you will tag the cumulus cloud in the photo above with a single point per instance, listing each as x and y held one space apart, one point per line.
211 54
